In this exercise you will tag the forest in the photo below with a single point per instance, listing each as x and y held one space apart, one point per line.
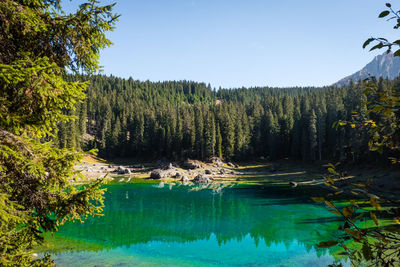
55 107
125 118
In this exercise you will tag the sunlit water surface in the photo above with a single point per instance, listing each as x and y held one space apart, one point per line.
145 225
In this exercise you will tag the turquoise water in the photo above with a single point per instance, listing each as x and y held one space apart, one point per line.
145 225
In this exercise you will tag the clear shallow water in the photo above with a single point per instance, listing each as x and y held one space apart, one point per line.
243 226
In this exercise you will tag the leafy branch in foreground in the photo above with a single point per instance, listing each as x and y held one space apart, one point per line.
366 239
378 244
38 43
383 42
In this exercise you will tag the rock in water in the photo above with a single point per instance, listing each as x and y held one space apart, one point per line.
202 179
157 174
207 172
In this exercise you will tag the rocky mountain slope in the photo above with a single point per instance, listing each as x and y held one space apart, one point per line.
384 65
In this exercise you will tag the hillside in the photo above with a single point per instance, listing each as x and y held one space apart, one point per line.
126 118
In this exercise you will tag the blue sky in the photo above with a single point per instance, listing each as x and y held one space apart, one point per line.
235 43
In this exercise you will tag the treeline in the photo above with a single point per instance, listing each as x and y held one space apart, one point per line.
178 119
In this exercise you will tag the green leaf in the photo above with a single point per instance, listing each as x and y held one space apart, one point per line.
388 5
384 14
327 244
397 53
367 42
378 46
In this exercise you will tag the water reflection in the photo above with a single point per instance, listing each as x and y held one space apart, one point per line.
258 225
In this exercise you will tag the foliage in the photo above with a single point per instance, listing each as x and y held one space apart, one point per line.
383 42
378 245
38 43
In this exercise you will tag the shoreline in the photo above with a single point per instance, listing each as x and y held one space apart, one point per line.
283 172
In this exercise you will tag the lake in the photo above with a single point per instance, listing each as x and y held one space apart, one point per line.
146 224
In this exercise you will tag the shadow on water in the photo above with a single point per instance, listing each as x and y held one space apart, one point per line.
301 194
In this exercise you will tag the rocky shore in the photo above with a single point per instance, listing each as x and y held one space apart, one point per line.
188 171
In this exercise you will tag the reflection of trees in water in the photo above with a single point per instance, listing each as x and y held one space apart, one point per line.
153 214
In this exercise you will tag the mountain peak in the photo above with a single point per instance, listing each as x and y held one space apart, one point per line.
385 65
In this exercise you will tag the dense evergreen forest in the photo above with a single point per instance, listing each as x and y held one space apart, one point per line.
178 119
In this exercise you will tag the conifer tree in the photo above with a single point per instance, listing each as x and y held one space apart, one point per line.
219 142
210 137
38 43
312 132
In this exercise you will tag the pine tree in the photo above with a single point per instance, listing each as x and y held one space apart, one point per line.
210 137
312 131
38 44
219 142
199 127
